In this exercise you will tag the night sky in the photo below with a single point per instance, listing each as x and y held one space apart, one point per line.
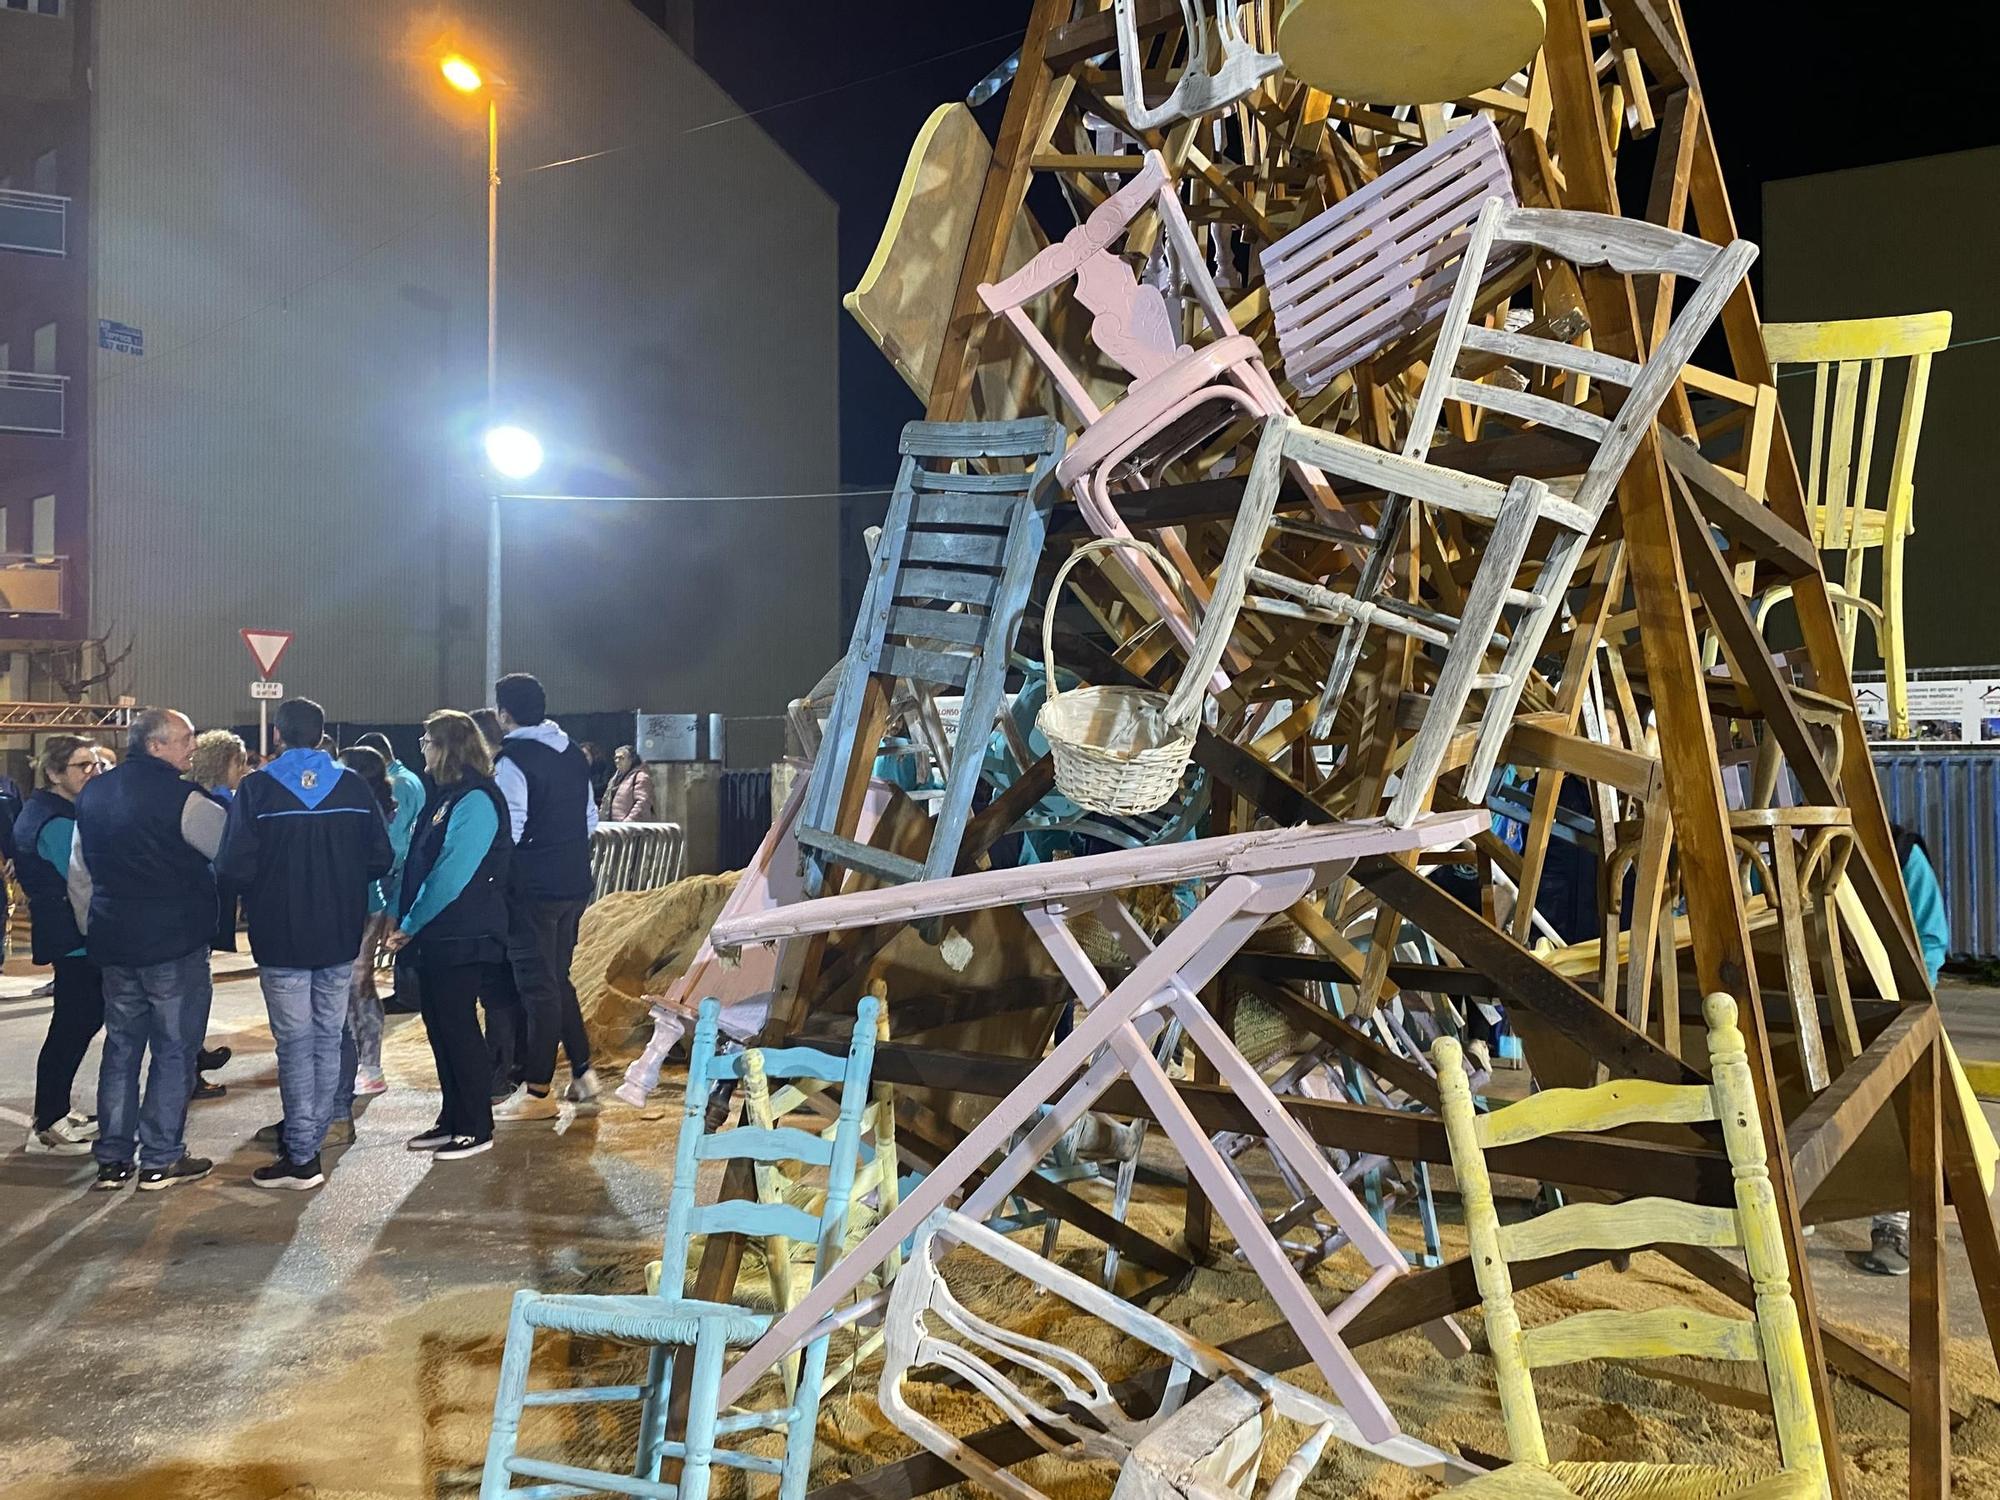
1793 88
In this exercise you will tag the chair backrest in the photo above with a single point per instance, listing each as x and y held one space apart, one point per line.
1239 65
1132 325
1630 246
1382 262
1752 1225
1841 454
707 1064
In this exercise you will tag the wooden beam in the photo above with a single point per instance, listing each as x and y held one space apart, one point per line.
1747 520
1826 1128
1930 1390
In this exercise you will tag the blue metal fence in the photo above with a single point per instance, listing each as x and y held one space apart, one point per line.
1951 797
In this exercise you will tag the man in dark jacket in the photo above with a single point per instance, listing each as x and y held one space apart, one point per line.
142 890
545 781
304 840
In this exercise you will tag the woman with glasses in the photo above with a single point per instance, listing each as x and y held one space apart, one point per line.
452 915
42 837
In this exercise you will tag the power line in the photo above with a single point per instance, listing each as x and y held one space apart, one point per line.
705 499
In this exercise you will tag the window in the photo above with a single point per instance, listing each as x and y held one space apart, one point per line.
45 349
35 7
43 542
45 172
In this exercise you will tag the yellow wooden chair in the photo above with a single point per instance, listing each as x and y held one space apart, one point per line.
1773 1336
1840 457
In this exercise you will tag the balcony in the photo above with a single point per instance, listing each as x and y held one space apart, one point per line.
32 403
34 223
31 585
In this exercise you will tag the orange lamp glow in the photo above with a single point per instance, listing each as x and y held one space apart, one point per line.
460 74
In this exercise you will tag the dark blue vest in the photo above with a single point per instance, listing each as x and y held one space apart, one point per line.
152 893
473 929
552 859
52 921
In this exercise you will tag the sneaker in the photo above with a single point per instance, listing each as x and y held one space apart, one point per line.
203 1089
370 1081
1480 1056
52 1142
1890 1253
113 1175
187 1169
209 1059
296 1175
434 1139
339 1132
584 1087
461 1146
84 1126
522 1105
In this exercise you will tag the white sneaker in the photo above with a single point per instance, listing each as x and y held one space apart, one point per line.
54 1142
584 1087
522 1105
369 1081
83 1127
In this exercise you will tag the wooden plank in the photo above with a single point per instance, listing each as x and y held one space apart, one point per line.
939 583
914 622
1634 1224
1606 1106
1728 505
1442 979
1930 1410
927 666
1535 745
959 549
1824 1130
1657 1333
1976 1223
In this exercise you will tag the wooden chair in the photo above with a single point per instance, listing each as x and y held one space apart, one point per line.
1752 1225
1381 264
1201 89
1061 1401
1840 459
945 592
665 1324
1180 394
1512 511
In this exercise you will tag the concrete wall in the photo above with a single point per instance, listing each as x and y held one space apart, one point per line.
1905 237
291 206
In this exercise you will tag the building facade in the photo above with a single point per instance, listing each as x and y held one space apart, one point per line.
273 397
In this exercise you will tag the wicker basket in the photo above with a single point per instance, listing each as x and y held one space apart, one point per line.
1118 750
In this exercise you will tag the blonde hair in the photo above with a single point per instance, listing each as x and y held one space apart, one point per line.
459 744
215 751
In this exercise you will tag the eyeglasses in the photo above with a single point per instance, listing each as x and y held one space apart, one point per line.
425 739
92 764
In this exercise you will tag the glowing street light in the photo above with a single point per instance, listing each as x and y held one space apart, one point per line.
461 74
514 452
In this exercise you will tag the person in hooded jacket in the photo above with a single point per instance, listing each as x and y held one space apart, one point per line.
42 837
451 914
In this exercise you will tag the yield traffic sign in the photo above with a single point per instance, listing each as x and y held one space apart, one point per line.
266 648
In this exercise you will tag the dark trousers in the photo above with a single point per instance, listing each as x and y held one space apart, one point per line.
449 998
539 948
504 1027
79 1016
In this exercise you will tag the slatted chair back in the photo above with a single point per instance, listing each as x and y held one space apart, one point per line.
1238 64
946 588
1382 263
1850 362
1132 323
1751 1225
1629 246
827 1230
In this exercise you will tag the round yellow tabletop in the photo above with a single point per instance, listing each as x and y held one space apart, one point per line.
1408 51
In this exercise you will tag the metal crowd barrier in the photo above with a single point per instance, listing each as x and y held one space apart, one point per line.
637 856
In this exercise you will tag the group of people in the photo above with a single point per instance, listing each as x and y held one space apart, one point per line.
471 875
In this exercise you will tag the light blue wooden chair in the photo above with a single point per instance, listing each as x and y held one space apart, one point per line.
667 1324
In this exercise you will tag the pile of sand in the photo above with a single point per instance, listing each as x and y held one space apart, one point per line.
635 943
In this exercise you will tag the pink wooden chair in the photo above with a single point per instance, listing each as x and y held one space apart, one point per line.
1382 263
1180 395
1251 878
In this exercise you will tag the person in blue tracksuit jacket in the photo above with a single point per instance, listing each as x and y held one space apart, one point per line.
1889 1249
42 837
304 841
452 915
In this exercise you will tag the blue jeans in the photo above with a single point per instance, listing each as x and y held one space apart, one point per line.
308 1009
164 1008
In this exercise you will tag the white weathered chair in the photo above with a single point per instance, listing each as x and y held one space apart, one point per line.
1512 510
1064 1403
1239 64
1252 876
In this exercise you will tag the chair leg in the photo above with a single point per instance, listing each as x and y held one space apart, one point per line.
653 1415
704 1402
1483 603
508 1399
